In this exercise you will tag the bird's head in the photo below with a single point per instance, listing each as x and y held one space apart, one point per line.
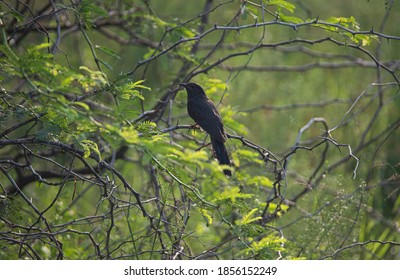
193 88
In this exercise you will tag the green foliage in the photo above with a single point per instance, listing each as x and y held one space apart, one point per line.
267 247
89 10
281 4
334 24
89 147
131 90
248 218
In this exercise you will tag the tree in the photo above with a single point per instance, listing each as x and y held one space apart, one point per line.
98 159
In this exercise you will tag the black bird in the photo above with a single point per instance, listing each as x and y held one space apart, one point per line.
205 114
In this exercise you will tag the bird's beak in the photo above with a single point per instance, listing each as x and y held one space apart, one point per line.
183 84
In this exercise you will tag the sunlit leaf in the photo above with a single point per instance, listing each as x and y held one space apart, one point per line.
81 104
232 195
282 4
249 217
206 214
260 181
89 146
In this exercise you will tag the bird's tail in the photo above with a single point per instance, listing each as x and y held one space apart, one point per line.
221 154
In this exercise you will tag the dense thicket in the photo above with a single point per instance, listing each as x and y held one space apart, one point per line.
99 159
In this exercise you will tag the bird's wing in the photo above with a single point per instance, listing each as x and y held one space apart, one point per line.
205 114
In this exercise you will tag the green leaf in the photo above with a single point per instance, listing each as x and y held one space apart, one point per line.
81 104
260 181
249 10
17 15
282 4
129 134
248 218
246 155
130 90
147 127
290 19
229 114
40 46
158 21
345 21
107 51
12 60
232 195
185 32
105 63
89 6
277 209
96 78
333 24
139 83
206 216
88 147
267 245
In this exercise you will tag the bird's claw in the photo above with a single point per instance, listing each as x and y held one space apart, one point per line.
195 126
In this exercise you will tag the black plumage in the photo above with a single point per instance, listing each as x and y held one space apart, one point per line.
203 111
